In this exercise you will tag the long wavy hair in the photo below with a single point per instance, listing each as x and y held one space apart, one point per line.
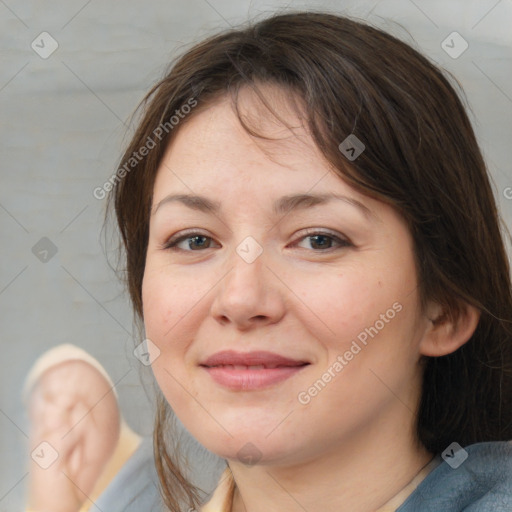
421 157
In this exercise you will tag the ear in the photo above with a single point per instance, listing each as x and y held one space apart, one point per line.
444 335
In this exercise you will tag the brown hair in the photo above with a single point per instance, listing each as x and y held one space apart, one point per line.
421 157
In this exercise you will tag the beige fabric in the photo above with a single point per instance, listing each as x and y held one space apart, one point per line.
222 498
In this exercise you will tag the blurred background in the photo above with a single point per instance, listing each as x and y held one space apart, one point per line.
71 74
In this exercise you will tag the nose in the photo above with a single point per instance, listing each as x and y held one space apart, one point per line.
249 296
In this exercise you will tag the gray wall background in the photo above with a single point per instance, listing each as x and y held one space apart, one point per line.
63 123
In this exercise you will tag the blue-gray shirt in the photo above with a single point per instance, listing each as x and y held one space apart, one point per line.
482 483
135 487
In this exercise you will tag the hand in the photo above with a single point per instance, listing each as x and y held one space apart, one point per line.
73 409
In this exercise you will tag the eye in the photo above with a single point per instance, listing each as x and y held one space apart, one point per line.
189 242
321 241
318 241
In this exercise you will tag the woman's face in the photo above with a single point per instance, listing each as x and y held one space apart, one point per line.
282 304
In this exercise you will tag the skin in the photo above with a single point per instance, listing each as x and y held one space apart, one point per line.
298 299
74 410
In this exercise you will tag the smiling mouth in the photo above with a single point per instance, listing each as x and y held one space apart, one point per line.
251 371
254 366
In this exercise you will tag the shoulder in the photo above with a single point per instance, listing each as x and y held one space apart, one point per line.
476 478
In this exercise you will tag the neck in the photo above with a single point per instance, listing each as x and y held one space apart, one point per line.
362 474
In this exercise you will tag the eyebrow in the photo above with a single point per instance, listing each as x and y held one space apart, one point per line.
282 206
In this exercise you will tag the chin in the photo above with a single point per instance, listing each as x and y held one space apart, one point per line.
250 448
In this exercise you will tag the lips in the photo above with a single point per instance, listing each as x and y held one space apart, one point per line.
252 370
253 360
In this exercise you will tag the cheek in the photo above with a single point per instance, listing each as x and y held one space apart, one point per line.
162 302
171 304
165 319
157 308
370 306
341 304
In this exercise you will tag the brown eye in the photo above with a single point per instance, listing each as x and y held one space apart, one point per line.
321 241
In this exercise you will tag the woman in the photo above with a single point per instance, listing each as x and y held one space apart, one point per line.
314 249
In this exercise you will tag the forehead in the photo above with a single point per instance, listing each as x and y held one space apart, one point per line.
212 149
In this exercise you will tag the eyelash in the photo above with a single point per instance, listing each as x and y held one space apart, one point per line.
172 243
